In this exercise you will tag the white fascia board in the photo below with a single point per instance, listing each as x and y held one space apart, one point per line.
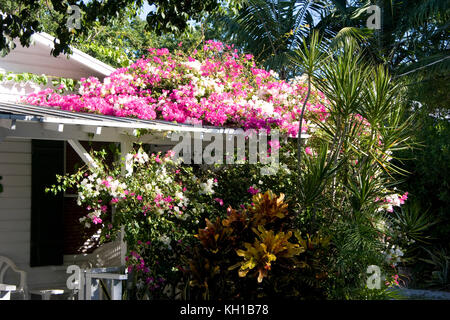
90 62
120 128
37 130
138 125
92 129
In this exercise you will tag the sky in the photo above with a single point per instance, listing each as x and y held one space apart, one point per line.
146 9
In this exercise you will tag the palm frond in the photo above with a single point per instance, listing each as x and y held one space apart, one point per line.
432 65
426 9
272 29
351 34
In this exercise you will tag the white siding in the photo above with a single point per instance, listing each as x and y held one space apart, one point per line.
15 214
15 200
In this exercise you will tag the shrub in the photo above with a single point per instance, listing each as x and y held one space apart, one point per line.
158 203
255 252
338 215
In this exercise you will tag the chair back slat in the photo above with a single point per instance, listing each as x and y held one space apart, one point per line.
5 264
3 268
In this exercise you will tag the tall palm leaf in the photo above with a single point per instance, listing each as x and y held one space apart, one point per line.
271 30
412 43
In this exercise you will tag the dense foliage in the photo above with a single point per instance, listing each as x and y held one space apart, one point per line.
276 262
325 216
428 185
334 205
157 202
20 19
412 41
271 30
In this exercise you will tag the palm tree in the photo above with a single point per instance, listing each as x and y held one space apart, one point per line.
271 30
412 42
414 33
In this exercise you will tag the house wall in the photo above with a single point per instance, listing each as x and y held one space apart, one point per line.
15 215
15 156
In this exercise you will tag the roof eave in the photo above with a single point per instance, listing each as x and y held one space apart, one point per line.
47 40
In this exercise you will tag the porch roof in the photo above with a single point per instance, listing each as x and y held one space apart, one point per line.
38 122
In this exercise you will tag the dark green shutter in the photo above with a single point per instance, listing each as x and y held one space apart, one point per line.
46 208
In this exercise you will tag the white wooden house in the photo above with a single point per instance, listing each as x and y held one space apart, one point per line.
36 143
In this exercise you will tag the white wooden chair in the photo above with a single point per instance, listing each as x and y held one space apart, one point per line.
108 264
6 265
111 254
105 264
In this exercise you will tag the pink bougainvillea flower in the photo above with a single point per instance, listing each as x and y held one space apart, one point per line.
170 153
275 145
96 220
168 199
253 190
403 198
213 86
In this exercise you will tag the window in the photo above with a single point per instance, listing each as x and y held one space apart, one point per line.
55 227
